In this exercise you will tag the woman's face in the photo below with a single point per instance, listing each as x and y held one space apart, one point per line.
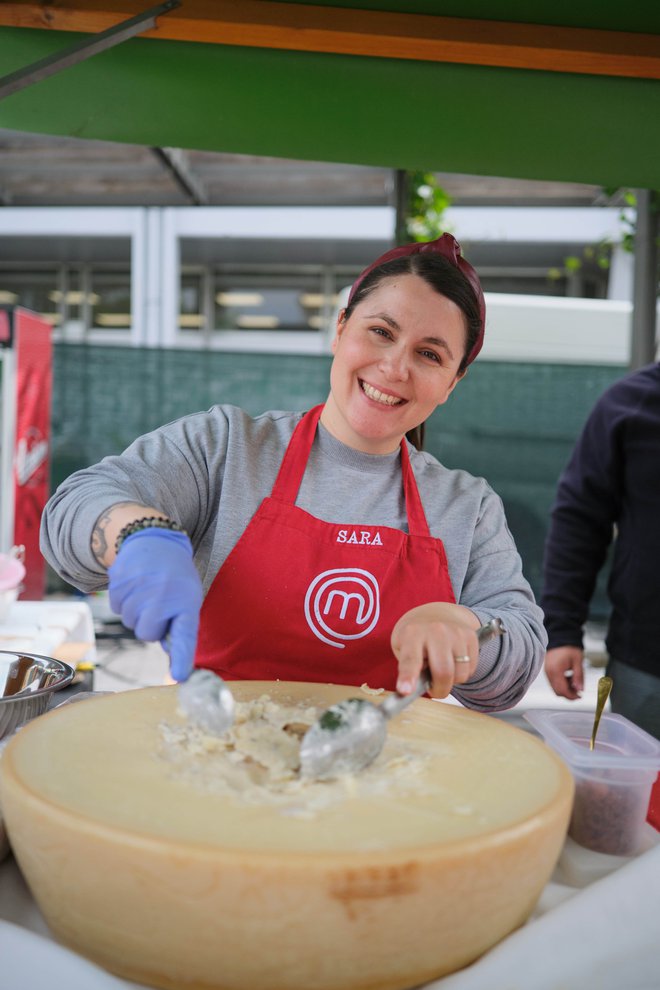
396 359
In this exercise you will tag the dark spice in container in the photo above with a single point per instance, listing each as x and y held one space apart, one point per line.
602 817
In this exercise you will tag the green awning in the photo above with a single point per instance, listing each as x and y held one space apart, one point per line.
365 110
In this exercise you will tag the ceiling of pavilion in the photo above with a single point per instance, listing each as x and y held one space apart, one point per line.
588 126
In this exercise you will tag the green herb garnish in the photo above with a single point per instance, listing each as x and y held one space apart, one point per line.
332 720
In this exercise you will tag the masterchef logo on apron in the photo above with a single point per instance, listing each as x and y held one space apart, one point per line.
342 604
281 597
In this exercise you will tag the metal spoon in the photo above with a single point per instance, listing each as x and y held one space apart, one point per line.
207 701
349 735
604 688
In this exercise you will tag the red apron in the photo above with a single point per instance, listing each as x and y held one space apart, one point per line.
301 599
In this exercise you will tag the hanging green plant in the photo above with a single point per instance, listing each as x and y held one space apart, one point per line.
427 203
627 224
599 255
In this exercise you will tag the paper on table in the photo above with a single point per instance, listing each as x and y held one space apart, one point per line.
605 936
28 960
44 627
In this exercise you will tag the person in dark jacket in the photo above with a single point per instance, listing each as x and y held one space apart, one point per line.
610 491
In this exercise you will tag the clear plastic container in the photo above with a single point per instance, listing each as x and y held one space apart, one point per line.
612 782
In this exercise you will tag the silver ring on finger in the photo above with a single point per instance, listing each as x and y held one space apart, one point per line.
464 659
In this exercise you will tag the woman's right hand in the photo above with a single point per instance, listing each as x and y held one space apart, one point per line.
155 589
564 669
441 636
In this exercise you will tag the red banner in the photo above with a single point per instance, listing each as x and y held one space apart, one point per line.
653 816
33 345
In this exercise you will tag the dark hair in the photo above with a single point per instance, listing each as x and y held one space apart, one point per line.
445 279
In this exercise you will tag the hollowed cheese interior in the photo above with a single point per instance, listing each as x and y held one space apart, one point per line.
446 774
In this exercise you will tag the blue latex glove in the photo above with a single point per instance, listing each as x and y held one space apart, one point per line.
155 589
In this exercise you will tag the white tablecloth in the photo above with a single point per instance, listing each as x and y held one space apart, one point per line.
602 936
61 629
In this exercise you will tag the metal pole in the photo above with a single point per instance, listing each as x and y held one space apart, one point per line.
401 194
645 281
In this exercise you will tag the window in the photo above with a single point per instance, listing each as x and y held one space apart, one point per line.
192 303
110 299
292 301
75 299
240 305
39 290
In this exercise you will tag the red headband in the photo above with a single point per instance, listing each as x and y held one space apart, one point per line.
449 248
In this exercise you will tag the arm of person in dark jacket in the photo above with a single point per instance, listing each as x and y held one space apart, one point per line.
586 507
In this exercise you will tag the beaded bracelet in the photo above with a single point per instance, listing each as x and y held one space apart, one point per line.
148 522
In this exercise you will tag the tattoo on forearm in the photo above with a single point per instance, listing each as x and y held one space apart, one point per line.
99 540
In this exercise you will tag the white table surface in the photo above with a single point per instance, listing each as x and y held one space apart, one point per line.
43 627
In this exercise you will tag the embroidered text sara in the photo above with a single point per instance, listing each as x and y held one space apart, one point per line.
362 536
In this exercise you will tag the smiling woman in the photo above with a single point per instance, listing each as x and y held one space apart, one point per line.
264 582
397 357
412 325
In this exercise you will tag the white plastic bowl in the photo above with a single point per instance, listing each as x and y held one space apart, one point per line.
12 573
7 599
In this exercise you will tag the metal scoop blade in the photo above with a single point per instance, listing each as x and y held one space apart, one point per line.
604 688
349 735
206 700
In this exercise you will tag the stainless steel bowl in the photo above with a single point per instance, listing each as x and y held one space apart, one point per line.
27 682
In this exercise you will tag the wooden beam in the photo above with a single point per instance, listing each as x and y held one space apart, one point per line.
377 34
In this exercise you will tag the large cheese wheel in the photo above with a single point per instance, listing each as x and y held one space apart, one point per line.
142 859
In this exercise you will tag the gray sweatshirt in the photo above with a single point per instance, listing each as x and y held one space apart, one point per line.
211 470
